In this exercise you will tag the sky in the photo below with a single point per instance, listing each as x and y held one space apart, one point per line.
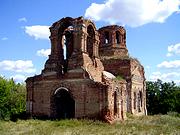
152 28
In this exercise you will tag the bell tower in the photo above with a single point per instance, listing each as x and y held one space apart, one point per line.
113 41
74 46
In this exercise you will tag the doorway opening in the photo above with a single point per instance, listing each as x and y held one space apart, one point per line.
64 104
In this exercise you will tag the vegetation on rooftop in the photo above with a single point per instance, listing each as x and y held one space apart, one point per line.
119 78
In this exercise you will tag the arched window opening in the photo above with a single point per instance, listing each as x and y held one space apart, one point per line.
139 102
64 104
67 46
106 41
117 40
90 40
140 97
64 46
115 103
134 100
124 38
127 100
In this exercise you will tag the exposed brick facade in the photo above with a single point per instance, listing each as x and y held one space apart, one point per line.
115 58
78 80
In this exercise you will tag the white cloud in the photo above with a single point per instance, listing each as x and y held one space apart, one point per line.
4 38
170 64
167 77
18 78
38 31
44 52
23 19
169 54
173 50
18 66
133 12
147 67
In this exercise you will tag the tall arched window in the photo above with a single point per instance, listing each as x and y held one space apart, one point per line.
118 40
90 40
140 93
64 46
115 103
67 46
134 100
139 102
106 36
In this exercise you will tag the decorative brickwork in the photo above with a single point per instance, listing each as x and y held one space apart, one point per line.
78 82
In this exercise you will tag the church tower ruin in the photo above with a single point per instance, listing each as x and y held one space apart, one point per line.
80 77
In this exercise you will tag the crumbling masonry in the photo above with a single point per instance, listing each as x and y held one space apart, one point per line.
88 74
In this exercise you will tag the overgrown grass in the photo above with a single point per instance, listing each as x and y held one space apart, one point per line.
143 125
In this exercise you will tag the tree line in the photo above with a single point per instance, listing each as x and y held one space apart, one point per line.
162 97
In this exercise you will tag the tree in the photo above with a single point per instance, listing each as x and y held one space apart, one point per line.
12 98
162 97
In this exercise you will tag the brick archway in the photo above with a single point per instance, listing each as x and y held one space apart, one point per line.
64 104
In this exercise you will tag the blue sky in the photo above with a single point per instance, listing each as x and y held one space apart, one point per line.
153 32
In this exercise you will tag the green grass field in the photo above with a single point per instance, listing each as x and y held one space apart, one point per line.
144 125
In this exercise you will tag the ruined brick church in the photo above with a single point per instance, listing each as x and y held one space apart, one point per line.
89 74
